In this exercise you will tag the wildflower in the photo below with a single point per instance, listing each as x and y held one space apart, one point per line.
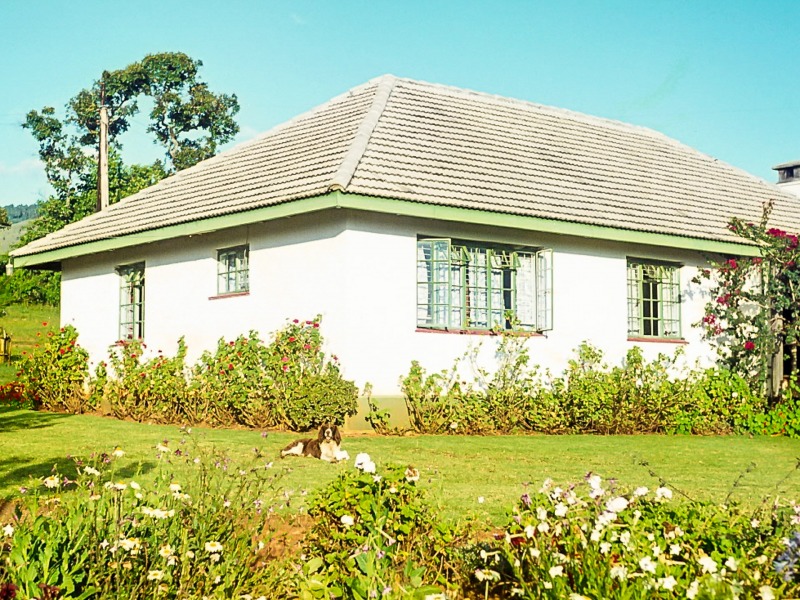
647 565
347 520
162 447
134 485
364 462
617 504
412 474
118 452
174 487
155 575
766 593
556 571
754 523
693 589
530 530
130 544
594 481
605 547
8 530
213 547
541 513
214 558
618 572
708 564
119 486
640 491
481 499
52 482
663 493
165 551
675 549
375 478
731 563
91 471
668 583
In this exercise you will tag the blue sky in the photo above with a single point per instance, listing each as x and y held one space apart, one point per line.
719 76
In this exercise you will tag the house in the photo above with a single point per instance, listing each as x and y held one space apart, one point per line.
415 218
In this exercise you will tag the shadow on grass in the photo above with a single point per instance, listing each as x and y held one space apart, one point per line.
16 419
24 472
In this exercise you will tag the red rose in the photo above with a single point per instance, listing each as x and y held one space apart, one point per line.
749 345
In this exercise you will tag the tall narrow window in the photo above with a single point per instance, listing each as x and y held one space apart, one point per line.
465 286
131 301
233 270
654 301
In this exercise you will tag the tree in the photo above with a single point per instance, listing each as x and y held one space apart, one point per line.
188 120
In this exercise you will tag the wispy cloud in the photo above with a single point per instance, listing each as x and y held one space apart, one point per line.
23 167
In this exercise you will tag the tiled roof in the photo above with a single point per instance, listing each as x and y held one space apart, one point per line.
433 144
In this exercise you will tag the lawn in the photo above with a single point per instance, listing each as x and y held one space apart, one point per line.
456 471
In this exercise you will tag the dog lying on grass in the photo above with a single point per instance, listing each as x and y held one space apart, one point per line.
326 446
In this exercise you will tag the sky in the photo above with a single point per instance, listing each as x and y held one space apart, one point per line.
722 77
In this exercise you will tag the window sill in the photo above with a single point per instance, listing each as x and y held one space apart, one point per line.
479 332
231 295
658 340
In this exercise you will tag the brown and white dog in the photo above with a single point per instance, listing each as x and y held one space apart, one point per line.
324 447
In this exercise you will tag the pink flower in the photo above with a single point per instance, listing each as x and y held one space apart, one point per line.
731 262
285 359
749 345
285 367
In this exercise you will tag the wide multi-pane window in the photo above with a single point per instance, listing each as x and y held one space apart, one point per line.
233 270
131 301
467 285
654 299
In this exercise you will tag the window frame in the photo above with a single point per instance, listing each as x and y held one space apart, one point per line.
654 299
131 316
475 286
239 270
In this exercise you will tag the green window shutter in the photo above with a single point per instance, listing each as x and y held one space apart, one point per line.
433 283
526 296
544 290
131 301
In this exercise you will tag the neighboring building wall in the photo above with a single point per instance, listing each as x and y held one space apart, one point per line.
359 272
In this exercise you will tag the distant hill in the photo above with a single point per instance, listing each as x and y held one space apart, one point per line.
20 212
10 235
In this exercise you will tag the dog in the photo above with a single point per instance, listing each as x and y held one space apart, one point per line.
324 447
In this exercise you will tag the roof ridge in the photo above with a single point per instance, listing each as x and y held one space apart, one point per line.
344 174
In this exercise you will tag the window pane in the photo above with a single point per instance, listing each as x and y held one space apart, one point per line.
653 300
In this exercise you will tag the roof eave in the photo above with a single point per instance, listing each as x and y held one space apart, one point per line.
340 199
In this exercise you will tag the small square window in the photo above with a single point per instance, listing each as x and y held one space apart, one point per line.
233 270
654 300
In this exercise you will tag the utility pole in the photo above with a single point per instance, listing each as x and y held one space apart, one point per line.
102 164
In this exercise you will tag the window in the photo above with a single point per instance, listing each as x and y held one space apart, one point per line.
466 285
131 301
654 299
233 270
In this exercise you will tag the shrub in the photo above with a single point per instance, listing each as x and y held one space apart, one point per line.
94 533
146 389
593 540
374 535
54 376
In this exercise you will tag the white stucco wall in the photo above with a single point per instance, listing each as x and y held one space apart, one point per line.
359 272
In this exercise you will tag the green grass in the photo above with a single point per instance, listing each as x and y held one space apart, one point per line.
23 323
455 470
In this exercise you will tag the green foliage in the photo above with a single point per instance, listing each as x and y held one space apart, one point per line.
597 541
375 535
20 212
92 532
152 389
638 396
54 376
30 287
289 383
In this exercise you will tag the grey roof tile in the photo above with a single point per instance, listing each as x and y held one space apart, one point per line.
434 144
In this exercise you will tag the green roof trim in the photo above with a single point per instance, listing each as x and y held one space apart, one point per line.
338 199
